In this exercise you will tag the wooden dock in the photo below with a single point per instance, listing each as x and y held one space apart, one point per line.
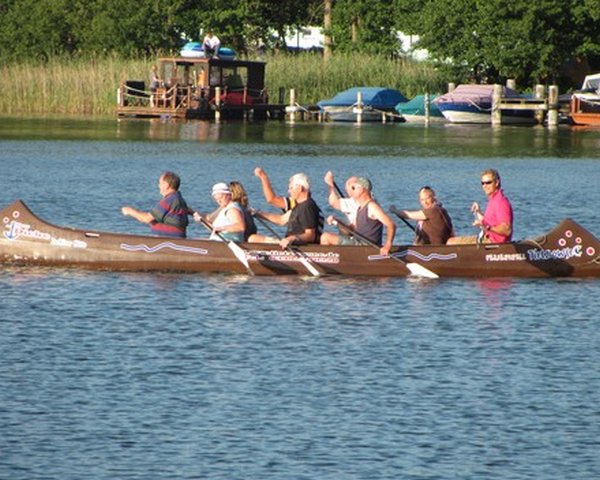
543 106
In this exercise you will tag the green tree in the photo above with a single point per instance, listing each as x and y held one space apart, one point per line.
491 40
244 24
365 26
35 29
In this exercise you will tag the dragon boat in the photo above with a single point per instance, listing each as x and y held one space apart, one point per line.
568 250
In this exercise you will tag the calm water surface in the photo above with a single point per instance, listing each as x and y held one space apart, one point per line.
170 376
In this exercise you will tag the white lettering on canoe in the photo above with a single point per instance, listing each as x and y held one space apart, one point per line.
287 256
62 242
16 230
556 254
505 257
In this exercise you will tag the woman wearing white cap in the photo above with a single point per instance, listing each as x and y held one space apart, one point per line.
229 217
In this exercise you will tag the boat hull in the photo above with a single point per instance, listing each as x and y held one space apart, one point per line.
567 251
348 114
585 109
471 114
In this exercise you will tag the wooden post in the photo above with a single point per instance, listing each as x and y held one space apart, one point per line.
511 83
293 105
540 94
427 107
217 104
451 86
359 107
496 112
552 106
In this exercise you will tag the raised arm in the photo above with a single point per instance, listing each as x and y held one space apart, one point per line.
270 196
333 198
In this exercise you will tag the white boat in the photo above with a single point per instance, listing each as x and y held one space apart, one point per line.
376 102
473 104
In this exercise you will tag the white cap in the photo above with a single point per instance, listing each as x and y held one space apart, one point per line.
220 188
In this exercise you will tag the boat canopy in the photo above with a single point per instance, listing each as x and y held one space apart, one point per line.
416 106
474 93
377 97
591 83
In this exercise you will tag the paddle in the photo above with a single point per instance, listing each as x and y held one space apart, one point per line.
415 268
238 251
397 213
305 261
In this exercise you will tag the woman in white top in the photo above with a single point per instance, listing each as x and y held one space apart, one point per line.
228 219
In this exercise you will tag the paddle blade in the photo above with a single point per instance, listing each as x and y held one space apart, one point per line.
309 266
240 255
421 271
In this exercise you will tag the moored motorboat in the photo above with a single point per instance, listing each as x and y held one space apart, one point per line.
473 104
416 110
373 103
566 251
585 103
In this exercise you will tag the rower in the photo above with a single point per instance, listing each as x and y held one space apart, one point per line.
434 225
169 216
497 221
370 220
302 215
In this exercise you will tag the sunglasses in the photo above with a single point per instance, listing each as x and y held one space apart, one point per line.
488 182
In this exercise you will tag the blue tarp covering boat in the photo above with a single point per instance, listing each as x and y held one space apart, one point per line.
375 101
376 97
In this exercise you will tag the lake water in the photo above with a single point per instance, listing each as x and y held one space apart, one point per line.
179 376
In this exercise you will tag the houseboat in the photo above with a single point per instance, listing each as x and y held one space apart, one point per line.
200 88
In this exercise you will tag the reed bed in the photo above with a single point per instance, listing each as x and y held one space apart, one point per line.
89 86
313 79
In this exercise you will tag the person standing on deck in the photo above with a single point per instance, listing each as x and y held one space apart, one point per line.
170 216
497 221
155 84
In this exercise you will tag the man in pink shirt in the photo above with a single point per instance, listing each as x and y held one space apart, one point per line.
497 221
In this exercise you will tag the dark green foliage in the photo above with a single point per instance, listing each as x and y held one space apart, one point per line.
471 40
492 40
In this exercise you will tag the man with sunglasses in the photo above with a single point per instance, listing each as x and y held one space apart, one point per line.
369 222
496 222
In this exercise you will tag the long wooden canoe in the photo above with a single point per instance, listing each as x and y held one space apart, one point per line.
568 250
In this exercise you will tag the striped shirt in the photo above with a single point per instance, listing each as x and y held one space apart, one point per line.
170 216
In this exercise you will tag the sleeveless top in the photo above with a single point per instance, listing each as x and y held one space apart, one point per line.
223 220
369 228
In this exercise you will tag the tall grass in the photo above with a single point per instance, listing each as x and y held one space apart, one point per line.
313 79
89 86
